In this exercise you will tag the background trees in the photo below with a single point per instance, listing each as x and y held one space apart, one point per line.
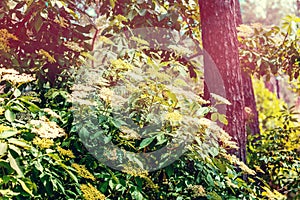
267 12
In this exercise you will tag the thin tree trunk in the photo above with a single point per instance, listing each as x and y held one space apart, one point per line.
298 7
219 36
252 124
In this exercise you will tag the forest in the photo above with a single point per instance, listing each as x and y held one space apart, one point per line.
150 99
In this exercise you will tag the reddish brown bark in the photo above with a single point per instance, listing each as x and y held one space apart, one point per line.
219 36
252 124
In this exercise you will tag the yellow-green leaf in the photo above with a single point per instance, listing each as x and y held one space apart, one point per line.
8 133
223 119
112 3
8 192
3 149
25 188
10 115
19 143
214 117
13 163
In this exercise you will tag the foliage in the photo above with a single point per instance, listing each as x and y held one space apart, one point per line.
43 148
136 88
40 160
267 51
275 153
268 105
44 38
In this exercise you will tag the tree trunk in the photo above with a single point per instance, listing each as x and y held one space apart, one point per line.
219 36
298 7
252 124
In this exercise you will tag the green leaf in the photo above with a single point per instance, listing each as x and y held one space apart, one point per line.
20 143
161 139
15 149
169 171
214 196
146 142
220 165
138 181
214 151
203 111
214 117
210 180
223 119
15 61
60 186
8 133
72 176
112 3
17 108
137 161
17 93
107 139
10 115
131 14
161 17
116 123
137 195
111 184
25 188
84 133
3 149
13 163
32 107
38 22
39 167
142 12
8 192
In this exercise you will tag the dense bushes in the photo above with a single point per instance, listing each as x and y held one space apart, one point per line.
276 151
39 159
43 157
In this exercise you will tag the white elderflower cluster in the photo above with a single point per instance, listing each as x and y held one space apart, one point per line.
14 77
173 117
45 128
106 94
224 137
198 190
52 113
81 93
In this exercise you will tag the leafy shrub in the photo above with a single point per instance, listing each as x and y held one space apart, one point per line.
275 153
267 51
42 155
268 105
41 160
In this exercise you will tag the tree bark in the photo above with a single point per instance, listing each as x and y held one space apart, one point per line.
298 7
219 36
252 124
